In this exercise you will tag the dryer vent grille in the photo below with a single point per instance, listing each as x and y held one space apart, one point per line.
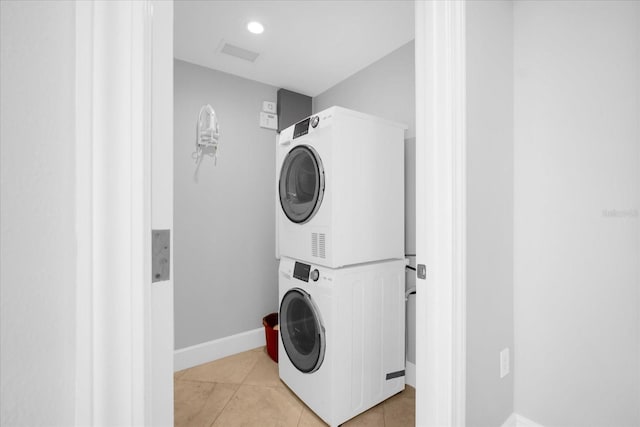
318 245
314 244
322 245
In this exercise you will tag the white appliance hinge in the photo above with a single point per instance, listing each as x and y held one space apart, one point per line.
421 271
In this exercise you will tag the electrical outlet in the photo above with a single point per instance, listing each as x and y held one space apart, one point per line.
269 107
504 363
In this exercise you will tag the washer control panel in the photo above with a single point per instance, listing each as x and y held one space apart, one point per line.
301 271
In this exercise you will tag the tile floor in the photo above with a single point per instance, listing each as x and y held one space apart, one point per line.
245 390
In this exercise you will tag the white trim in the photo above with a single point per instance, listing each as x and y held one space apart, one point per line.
198 354
410 374
441 212
84 254
113 214
516 420
161 334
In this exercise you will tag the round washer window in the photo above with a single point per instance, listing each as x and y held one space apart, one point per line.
301 331
301 184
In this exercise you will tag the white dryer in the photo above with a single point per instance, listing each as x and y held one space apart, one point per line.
341 341
341 189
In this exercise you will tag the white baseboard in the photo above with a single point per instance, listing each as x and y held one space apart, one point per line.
410 374
516 420
195 355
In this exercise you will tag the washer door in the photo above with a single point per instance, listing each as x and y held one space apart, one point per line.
301 184
302 331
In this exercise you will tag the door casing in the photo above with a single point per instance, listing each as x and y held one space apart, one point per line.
124 189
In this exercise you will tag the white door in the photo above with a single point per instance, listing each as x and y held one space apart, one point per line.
125 162
161 330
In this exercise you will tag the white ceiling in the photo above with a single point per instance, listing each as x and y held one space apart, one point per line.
307 46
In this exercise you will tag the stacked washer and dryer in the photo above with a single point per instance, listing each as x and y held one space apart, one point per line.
340 238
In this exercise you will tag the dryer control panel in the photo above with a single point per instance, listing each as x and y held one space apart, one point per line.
306 126
301 128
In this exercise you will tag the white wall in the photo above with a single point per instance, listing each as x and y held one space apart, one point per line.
577 159
225 266
489 60
37 241
386 89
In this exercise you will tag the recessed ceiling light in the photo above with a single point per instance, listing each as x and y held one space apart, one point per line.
255 27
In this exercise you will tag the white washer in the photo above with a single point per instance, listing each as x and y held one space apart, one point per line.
341 189
341 341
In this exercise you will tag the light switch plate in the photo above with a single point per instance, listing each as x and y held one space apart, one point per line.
268 121
269 107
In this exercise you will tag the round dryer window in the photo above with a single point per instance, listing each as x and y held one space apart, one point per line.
301 331
301 184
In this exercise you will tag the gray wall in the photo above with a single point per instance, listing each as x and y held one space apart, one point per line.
225 269
577 160
37 213
386 88
489 210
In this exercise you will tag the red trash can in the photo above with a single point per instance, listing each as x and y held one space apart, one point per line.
270 322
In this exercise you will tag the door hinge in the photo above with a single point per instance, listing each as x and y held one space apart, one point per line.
421 271
160 255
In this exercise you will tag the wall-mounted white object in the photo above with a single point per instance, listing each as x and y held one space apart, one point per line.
268 121
207 134
269 107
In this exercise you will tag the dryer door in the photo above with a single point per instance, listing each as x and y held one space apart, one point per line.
302 332
301 184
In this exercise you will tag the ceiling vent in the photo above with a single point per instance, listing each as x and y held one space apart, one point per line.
238 52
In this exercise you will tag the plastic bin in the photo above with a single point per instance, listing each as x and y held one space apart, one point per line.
270 322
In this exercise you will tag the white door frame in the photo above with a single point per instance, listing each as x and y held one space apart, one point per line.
124 363
119 47
440 212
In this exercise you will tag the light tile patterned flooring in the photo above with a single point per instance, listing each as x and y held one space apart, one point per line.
245 390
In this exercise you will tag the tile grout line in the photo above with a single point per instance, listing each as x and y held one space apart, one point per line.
225 405
235 392
253 366
384 414
300 417
194 415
